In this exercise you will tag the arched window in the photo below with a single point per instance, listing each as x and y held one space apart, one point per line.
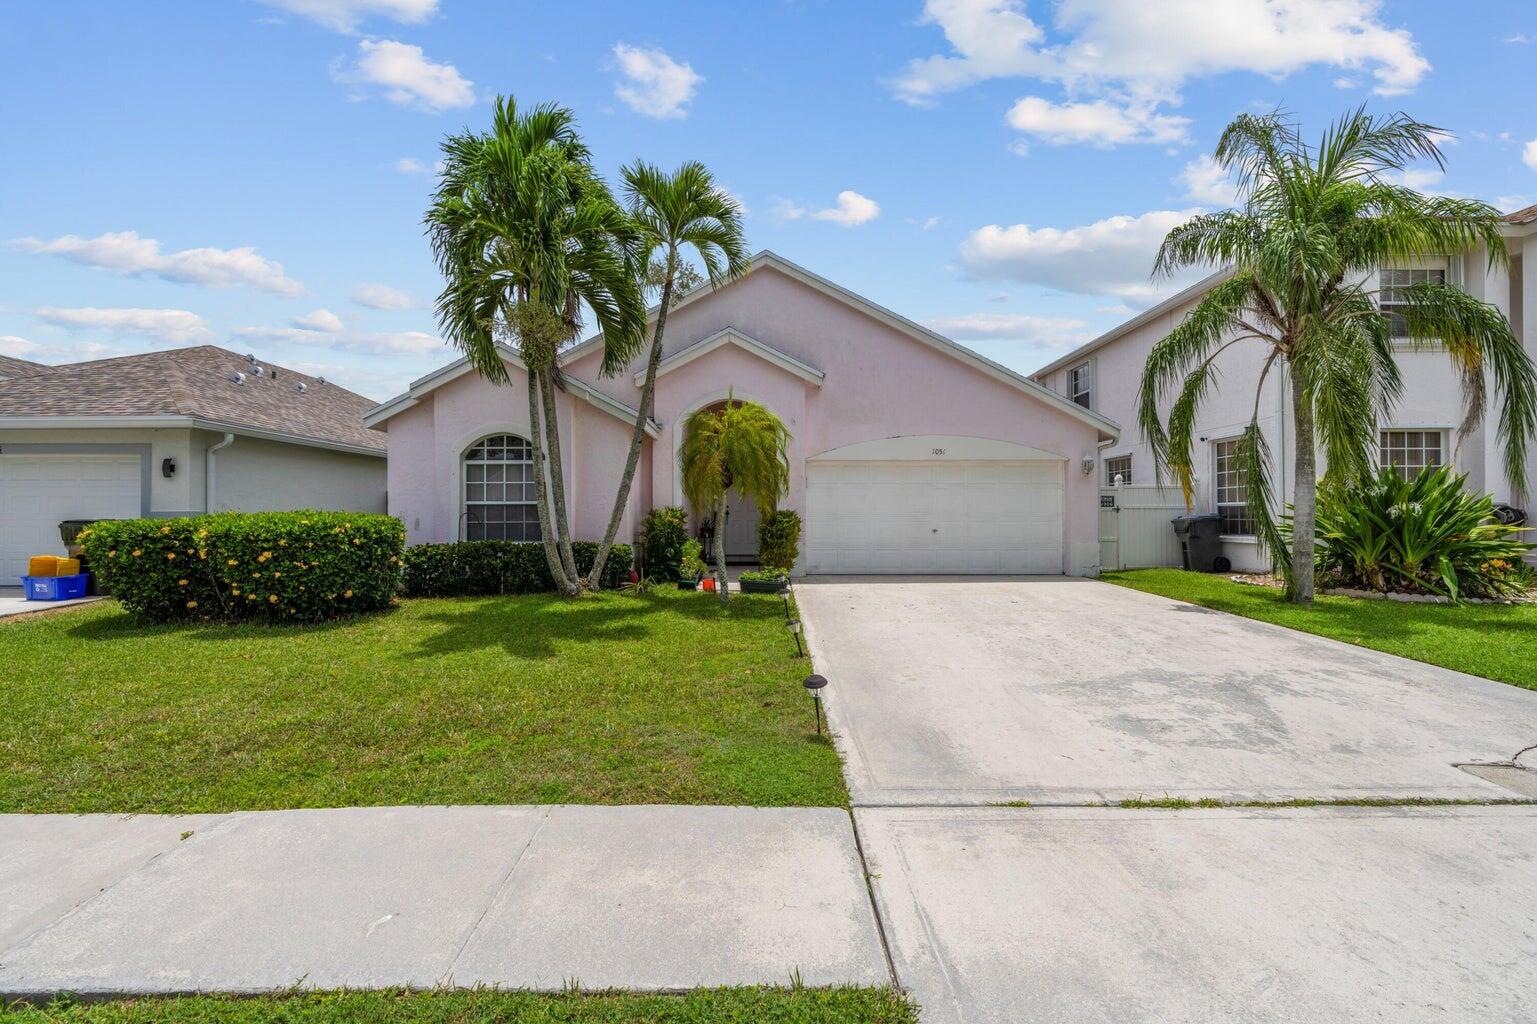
499 501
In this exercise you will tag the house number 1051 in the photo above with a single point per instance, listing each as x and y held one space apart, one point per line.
939 451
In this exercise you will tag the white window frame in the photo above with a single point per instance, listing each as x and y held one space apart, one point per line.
1217 487
1442 434
477 523
1087 380
1428 265
1110 473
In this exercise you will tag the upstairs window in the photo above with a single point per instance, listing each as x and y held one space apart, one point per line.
499 502
1409 451
1394 295
1078 387
1232 490
1117 466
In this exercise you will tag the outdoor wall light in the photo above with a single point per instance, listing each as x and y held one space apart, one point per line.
1087 465
168 468
814 685
794 626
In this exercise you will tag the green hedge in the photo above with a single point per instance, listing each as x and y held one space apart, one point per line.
779 539
480 567
664 532
301 566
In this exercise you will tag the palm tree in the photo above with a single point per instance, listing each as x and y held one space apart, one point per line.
527 235
673 212
1315 223
740 447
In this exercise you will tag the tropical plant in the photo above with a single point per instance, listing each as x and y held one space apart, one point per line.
673 213
691 565
527 235
741 448
1316 222
764 575
1420 534
664 534
779 537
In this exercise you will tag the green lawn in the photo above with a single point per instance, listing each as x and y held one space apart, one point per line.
1491 640
705 1006
616 698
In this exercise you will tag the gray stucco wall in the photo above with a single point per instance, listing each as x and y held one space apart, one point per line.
257 476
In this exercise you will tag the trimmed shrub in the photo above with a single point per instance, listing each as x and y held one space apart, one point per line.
779 539
663 534
1421 535
478 568
303 566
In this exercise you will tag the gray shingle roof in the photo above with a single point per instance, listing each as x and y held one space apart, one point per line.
195 382
10 366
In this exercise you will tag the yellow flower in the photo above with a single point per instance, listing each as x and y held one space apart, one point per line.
170 556
233 561
347 593
235 591
276 575
304 522
257 575
191 604
272 599
136 552
165 529
112 553
356 541
250 597
282 542
85 532
181 583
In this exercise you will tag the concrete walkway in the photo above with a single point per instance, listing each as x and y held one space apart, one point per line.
654 898
13 601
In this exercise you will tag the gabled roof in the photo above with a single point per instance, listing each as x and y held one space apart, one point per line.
977 361
191 387
732 336
423 386
1526 216
10 367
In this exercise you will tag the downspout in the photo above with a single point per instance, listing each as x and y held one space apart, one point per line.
208 471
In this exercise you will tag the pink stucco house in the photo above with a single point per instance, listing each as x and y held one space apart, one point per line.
910 453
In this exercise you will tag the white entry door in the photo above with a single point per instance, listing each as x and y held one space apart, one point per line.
934 517
37 492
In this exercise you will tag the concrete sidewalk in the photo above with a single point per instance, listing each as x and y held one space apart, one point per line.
652 898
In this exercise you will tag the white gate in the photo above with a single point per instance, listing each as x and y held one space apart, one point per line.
1135 531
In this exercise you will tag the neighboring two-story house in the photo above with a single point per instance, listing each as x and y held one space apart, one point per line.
1105 376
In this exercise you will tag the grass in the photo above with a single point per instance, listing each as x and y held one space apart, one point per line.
487 1006
1491 640
615 698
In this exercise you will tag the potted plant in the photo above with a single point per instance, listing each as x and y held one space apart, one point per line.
763 581
691 566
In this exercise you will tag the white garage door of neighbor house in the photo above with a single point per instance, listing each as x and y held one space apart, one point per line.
934 517
37 492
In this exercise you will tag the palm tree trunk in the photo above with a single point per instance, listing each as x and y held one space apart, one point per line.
719 546
1299 589
546 535
558 478
637 437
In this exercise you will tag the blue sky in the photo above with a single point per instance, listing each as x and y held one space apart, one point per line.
253 174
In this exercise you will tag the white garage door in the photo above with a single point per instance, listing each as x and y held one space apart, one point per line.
934 517
37 492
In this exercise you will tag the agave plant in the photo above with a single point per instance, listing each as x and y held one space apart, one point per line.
1424 533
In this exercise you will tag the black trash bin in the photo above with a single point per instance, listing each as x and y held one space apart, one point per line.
69 533
1200 543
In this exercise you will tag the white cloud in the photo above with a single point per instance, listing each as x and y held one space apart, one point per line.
1520 38
1421 179
1206 182
1529 155
1111 257
172 326
851 210
654 84
785 210
126 253
1033 331
998 297
1138 55
1344 82
363 342
411 165
929 223
318 320
1099 122
407 77
20 348
382 296
344 15
1513 202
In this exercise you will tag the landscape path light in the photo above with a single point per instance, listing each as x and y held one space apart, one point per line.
814 685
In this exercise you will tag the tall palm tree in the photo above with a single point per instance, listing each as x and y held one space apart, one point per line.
527 236
740 447
672 212
1316 221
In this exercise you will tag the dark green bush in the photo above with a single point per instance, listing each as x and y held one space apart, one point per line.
663 534
779 539
1422 534
471 568
301 566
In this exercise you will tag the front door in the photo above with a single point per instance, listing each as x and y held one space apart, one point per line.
741 529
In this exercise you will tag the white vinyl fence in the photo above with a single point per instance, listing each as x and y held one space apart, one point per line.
1135 531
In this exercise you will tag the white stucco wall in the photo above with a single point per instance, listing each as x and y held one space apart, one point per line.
180 494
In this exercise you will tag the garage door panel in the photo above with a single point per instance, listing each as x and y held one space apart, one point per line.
934 517
37 492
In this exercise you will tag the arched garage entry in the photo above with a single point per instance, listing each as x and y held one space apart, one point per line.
935 504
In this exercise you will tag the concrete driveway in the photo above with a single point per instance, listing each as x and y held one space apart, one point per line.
950 691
